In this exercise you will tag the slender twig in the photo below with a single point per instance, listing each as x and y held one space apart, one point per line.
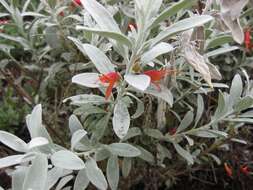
19 89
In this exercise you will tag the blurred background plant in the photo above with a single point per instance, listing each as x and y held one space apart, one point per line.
11 114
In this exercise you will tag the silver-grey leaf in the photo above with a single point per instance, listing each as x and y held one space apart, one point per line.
81 181
67 160
11 160
156 51
95 174
36 177
74 124
13 142
185 154
123 149
77 137
121 119
18 177
101 15
112 172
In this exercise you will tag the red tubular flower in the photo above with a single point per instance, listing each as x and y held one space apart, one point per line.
61 14
4 21
228 170
77 2
109 78
157 75
245 170
131 25
173 130
247 39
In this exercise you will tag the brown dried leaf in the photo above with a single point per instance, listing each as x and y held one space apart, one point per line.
196 59
234 7
198 62
215 73
230 13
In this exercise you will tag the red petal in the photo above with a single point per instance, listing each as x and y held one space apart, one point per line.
228 170
109 90
244 170
78 2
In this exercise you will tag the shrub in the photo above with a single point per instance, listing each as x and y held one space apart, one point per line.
150 101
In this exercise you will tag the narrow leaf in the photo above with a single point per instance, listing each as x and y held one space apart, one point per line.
90 80
85 99
13 142
164 93
181 26
38 141
63 182
236 89
112 172
156 51
200 109
132 132
123 149
186 122
220 51
185 154
53 176
18 177
140 82
244 104
74 124
95 175
119 37
99 59
82 181
121 119
171 10
11 160
34 124
37 175
126 167
101 15
77 137
146 155
67 160
6 6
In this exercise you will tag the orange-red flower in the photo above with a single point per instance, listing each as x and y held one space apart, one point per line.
247 39
110 78
245 170
157 75
228 170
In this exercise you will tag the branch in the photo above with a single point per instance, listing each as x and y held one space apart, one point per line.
20 91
